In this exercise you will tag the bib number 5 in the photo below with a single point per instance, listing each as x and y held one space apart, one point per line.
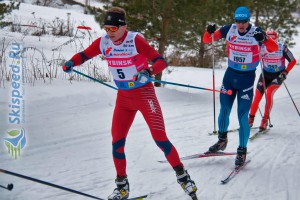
120 73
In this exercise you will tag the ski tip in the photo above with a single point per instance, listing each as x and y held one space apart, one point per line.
194 197
139 198
223 182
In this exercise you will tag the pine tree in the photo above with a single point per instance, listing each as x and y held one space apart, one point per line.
180 24
277 15
6 9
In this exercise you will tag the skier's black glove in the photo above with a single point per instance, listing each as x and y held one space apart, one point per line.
211 28
259 36
282 75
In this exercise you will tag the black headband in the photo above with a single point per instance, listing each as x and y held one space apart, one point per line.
114 19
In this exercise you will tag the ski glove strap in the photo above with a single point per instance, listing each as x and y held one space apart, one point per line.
142 76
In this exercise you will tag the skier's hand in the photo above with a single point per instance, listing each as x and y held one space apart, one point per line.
211 28
142 76
282 75
68 67
259 36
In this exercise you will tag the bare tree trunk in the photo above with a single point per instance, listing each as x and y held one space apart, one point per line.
201 54
166 17
87 4
162 46
257 13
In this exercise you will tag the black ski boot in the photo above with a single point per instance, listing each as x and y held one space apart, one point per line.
220 145
122 190
241 156
185 181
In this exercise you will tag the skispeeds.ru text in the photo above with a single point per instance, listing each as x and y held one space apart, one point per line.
16 83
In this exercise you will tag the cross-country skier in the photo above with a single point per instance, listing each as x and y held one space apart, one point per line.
274 73
243 46
127 54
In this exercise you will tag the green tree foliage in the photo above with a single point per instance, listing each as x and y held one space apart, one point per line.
180 24
6 9
276 15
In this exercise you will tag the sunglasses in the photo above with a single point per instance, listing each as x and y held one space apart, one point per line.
241 21
111 28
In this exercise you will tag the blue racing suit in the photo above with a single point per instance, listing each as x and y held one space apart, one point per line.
239 78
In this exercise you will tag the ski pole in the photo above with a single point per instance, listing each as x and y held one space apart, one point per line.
265 90
291 98
8 187
229 92
87 76
48 183
260 112
214 86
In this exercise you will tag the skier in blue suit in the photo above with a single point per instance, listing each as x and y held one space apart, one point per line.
243 42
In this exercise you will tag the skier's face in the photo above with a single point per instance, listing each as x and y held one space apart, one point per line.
242 25
115 33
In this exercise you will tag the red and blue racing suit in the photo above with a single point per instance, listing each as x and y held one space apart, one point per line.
273 65
124 60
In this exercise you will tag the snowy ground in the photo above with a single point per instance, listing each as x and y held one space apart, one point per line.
69 143
68 132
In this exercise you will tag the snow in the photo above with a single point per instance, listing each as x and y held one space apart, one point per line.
69 141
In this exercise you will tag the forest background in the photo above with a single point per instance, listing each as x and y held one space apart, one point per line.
175 27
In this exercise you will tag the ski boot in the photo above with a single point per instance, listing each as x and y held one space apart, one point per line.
264 124
185 181
122 190
251 120
220 145
241 156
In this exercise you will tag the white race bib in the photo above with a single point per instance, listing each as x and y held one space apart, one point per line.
123 73
241 57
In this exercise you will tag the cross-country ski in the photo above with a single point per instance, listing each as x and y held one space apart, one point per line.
203 155
234 172
258 133
232 130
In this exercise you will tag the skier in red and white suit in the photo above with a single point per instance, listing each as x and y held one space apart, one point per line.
274 73
127 54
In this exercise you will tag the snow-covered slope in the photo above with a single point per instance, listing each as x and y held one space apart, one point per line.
68 131
69 143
